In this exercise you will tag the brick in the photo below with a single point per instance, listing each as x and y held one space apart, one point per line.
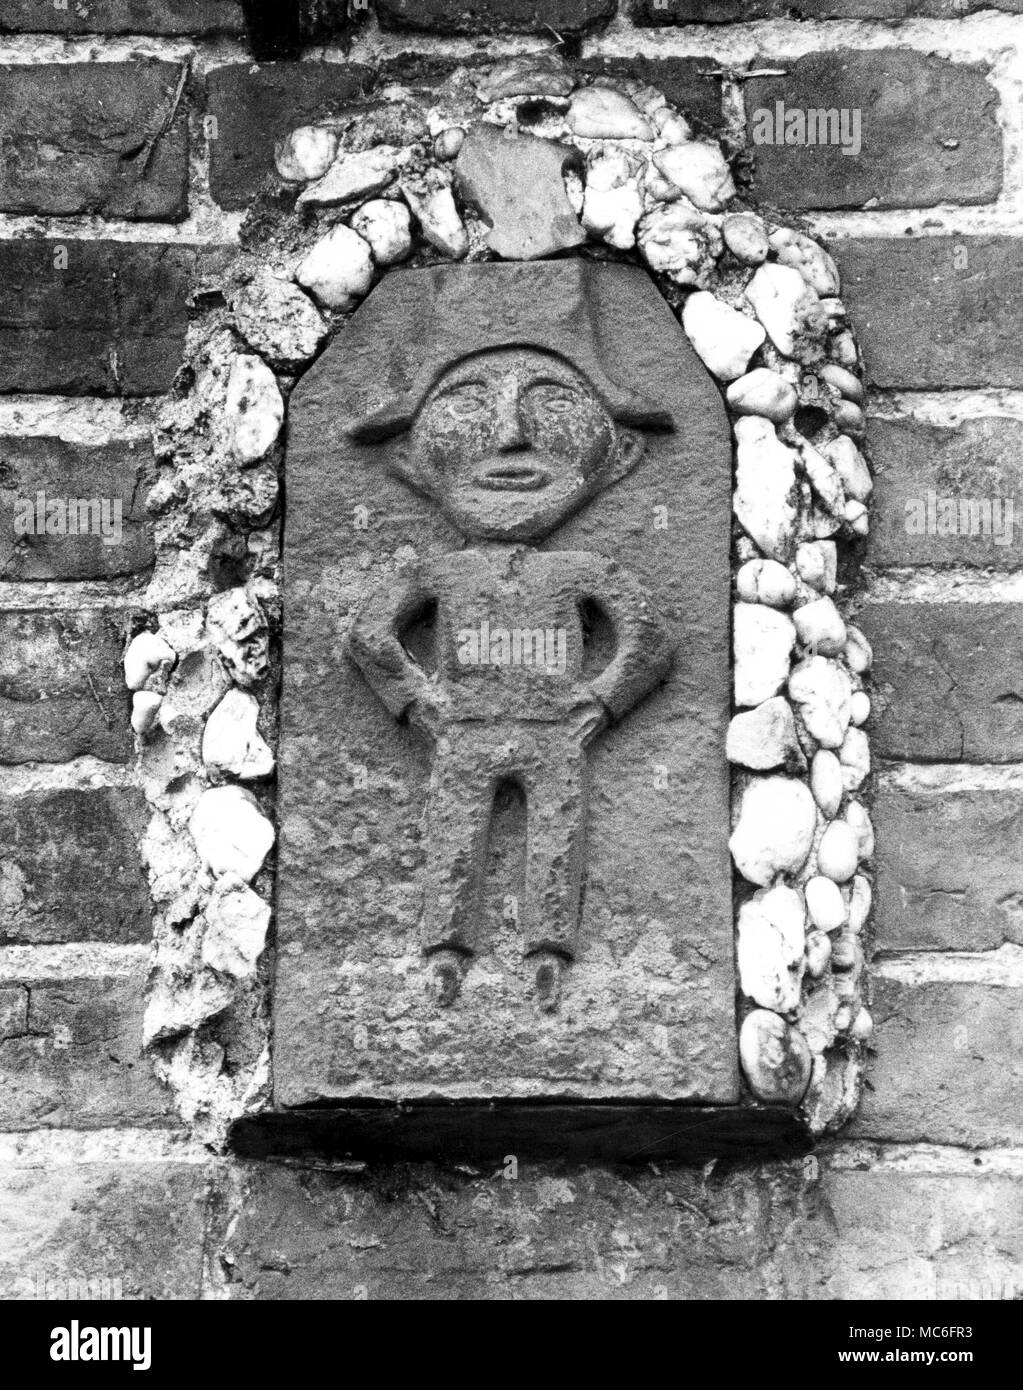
129 1230
947 1065
123 17
110 480
934 312
929 132
949 874
494 16
81 1060
95 317
256 106
734 11
957 479
948 684
62 691
101 138
809 1229
688 83
70 867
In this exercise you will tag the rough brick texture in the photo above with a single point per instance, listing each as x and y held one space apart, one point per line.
941 491
494 16
104 138
734 11
804 1230
62 689
948 681
928 132
256 106
934 312
95 317
70 867
948 1064
130 1230
80 1061
949 876
123 17
94 476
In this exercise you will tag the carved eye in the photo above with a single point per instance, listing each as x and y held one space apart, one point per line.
553 400
464 402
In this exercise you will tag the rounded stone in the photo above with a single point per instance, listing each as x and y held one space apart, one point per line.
859 822
765 476
819 625
279 321
802 253
775 1058
846 951
386 227
826 781
824 903
838 852
254 409
774 832
821 690
447 144
745 236
858 652
231 742
764 738
230 832
765 393
723 338
770 948
862 1027
763 640
860 898
146 653
790 311
817 565
818 953
700 171
849 418
307 153
765 581
338 270
145 708
854 755
859 707
845 382
600 113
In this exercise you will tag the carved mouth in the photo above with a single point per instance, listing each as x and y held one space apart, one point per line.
512 479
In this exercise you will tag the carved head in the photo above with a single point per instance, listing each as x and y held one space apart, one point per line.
510 442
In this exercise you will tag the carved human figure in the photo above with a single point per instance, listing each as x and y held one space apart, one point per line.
509 442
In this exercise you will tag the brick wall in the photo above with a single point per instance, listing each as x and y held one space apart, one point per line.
132 144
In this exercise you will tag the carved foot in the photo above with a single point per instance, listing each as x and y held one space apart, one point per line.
550 970
445 978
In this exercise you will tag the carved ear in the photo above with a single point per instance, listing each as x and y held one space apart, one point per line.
631 447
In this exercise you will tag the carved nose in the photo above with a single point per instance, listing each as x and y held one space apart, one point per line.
511 431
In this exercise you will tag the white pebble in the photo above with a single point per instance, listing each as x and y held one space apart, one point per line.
854 755
254 408
789 309
353 177
770 948
850 466
818 953
613 203
859 707
434 208
746 237
765 737
762 640
857 650
817 565
279 321
763 392
386 227
230 740
307 153
819 626
810 259
862 1027
599 113
146 653
821 690
826 781
838 852
145 708
679 242
824 903
724 338
338 270
701 171
237 922
859 822
765 486
775 1058
765 581
774 833
230 832
860 899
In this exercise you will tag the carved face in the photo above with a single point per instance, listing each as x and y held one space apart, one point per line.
511 442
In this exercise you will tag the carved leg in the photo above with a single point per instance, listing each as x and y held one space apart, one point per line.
556 811
457 827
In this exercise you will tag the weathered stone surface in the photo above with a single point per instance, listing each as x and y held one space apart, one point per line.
104 138
494 16
81 1060
99 489
121 1229
949 871
948 685
352 849
732 11
936 312
124 17
693 85
845 1228
947 495
95 317
256 106
518 187
62 689
70 867
928 131
948 1065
